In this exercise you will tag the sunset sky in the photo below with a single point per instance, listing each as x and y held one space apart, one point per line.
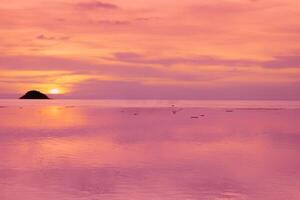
156 49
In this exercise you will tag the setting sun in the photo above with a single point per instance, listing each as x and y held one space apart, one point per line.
150 99
54 91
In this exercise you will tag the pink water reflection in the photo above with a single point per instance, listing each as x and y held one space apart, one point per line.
148 153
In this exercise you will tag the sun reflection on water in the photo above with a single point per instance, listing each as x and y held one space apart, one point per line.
43 117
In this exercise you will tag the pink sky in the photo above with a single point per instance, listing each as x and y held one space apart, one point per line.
192 49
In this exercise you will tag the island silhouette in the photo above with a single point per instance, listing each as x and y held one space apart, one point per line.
34 94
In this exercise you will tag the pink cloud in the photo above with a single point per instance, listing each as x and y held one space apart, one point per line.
292 61
43 37
113 22
136 90
193 42
96 5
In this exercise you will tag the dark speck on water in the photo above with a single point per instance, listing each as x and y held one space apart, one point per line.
176 111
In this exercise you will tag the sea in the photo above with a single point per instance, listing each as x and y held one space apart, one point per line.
149 150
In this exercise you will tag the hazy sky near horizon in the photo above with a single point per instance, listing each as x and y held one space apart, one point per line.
192 49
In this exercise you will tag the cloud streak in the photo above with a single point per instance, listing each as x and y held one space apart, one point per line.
43 37
92 5
154 46
292 61
136 90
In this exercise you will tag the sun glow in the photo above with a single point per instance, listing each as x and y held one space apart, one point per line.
55 91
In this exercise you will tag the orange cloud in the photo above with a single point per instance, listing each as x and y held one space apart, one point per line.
203 44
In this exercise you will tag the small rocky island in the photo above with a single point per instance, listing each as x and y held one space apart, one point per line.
34 94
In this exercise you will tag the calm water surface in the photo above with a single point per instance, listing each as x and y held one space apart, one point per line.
149 150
